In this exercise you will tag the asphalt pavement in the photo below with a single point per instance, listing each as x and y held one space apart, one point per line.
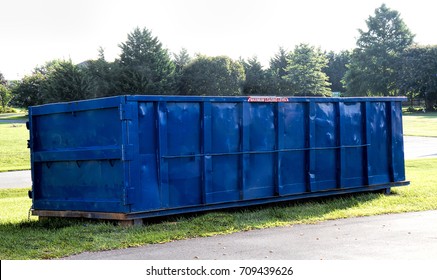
420 147
407 236
15 179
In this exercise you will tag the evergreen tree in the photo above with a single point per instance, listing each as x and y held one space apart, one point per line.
277 84
373 66
145 66
279 62
256 78
180 61
66 82
304 72
2 79
336 69
103 74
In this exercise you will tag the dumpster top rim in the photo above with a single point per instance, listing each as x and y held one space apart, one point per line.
108 101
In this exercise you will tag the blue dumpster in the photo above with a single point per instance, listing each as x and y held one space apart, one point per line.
133 157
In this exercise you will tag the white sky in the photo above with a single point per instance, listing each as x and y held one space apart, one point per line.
35 31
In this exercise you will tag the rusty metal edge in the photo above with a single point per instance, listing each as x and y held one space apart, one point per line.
81 214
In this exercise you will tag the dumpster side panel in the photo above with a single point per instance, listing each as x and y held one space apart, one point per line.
225 133
183 148
77 157
326 147
148 191
259 170
353 139
76 130
90 186
379 145
293 168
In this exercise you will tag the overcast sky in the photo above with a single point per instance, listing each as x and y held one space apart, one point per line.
35 31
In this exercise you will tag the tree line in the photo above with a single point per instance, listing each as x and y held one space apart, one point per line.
385 62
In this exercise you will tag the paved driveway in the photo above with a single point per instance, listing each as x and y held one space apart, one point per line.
15 179
407 236
420 147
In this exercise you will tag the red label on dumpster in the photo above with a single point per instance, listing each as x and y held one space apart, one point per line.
267 99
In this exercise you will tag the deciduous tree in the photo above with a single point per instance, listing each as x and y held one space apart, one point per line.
418 74
5 97
218 75
28 91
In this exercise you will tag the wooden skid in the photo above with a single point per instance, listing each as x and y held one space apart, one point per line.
121 218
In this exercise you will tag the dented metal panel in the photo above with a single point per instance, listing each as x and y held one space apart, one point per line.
156 155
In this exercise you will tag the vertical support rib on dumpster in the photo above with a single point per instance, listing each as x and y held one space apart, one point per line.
130 150
311 145
391 138
162 151
341 166
279 146
206 148
367 132
245 141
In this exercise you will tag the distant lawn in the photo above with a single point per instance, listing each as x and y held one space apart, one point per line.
14 154
23 239
420 124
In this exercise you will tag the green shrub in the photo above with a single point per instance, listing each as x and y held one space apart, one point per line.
7 110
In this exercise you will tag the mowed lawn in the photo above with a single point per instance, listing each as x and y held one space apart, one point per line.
14 154
420 124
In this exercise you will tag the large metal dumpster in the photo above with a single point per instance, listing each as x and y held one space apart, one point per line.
132 157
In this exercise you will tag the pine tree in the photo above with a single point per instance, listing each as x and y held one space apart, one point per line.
180 61
145 66
374 63
336 69
277 84
66 82
256 77
305 73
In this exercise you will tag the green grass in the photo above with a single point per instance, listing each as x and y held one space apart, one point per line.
420 124
23 239
14 154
